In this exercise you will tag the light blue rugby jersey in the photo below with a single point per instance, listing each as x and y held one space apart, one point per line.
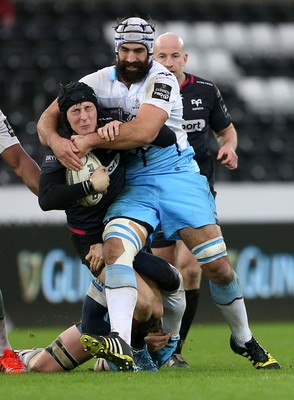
160 88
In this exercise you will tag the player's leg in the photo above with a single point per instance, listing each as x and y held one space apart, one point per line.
163 248
4 341
63 354
174 305
95 340
156 273
123 239
177 253
9 360
191 273
140 330
207 245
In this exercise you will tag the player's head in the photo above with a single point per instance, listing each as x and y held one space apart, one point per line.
169 51
135 30
134 38
77 103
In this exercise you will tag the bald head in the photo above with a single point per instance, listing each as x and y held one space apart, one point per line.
169 39
169 51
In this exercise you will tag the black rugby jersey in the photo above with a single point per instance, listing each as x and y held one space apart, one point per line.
54 193
204 111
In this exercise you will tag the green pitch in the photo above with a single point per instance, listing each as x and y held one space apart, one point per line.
215 371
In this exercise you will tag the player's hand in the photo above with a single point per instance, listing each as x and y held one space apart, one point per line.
228 157
66 152
100 179
109 131
95 257
83 144
156 340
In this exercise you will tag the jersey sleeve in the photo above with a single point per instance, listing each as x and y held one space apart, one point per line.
54 193
162 90
220 116
7 135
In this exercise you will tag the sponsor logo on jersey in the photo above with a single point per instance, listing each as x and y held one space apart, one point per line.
50 158
194 125
204 83
196 102
114 163
161 91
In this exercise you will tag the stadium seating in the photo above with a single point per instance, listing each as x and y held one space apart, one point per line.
247 49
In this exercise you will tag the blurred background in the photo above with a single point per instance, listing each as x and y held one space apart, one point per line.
246 47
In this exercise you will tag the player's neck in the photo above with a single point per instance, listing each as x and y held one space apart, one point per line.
182 79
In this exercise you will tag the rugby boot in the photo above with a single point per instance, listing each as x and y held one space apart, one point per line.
256 354
112 348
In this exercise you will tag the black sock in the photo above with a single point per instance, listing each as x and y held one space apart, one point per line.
192 297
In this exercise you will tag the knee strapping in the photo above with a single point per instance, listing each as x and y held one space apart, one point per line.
226 294
61 355
132 235
210 250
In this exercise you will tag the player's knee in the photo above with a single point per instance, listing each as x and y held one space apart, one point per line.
191 277
209 251
123 240
112 250
219 271
157 310
143 310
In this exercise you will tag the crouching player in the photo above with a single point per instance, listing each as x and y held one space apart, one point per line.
67 352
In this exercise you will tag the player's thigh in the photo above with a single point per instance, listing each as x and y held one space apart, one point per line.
143 309
193 237
166 253
188 266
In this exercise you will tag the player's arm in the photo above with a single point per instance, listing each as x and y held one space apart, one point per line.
56 194
165 137
139 132
64 149
227 143
23 166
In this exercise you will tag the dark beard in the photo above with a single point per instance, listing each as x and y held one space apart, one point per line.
132 76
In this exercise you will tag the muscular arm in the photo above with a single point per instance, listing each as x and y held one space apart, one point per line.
227 142
139 132
23 166
64 149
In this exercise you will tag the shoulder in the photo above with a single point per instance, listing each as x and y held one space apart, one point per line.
159 72
95 78
198 81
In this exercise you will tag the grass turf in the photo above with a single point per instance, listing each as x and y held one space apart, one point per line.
215 371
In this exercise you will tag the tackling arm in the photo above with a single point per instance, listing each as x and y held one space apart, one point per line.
139 132
64 149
